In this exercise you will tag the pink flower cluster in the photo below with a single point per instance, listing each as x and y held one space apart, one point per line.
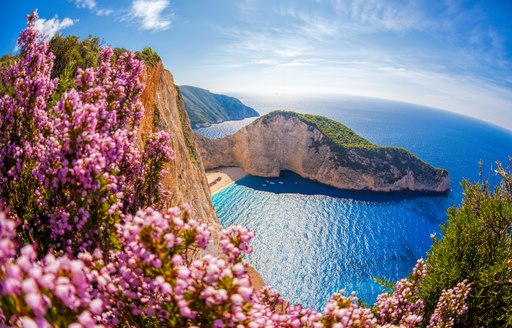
236 242
403 307
24 90
75 166
153 269
159 274
148 189
269 297
156 275
341 311
35 292
451 306
89 140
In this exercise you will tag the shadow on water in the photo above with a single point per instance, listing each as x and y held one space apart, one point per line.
291 183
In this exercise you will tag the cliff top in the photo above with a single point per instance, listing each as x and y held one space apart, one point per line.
338 133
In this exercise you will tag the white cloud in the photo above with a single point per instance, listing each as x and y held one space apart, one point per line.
248 10
312 25
150 14
93 6
103 12
89 4
297 63
50 27
393 16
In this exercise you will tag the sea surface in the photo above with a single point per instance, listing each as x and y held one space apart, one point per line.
313 240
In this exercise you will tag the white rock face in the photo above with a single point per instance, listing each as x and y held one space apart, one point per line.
282 142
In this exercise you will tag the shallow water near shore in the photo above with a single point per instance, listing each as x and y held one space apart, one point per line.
313 240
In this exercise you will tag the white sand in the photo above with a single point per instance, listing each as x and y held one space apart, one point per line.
222 177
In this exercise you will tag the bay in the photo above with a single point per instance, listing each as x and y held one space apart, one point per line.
313 240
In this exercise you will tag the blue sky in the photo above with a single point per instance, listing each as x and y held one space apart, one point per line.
454 55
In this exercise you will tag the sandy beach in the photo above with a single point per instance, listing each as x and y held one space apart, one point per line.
223 177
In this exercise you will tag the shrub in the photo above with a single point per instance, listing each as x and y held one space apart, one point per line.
477 246
70 52
149 56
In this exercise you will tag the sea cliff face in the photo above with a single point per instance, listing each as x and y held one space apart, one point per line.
164 110
278 142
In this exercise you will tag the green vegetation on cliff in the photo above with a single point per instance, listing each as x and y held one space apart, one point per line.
205 108
149 56
476 245
72 53
187 131
335 131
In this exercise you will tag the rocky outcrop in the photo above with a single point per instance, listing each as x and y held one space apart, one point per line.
164 110
284 141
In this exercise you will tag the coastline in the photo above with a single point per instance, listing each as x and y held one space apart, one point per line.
218 179
223 177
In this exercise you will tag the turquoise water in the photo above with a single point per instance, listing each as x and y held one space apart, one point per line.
312 240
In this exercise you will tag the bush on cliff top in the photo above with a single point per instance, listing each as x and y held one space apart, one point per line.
71 53
80 245
149 56
477 246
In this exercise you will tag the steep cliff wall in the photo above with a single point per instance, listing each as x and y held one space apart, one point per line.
186 179
164 110
282 141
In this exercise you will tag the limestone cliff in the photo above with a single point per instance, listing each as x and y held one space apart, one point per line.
323 150
186 179
164 110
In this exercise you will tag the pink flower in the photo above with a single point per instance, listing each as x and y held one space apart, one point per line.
28 323
36 303
85 319
96 306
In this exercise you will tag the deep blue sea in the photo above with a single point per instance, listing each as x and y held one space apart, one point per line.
312 240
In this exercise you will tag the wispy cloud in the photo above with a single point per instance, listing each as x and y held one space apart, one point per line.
443 37
297 63
89 4
151 14
93 7
312 25
265 44
248 10
50 27
388 15
103 12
